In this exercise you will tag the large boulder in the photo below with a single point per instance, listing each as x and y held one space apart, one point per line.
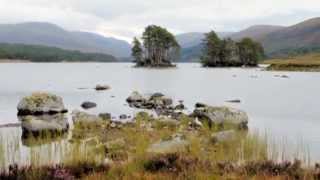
41 103
36 125
221 115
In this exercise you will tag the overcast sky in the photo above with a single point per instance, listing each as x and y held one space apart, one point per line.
127 18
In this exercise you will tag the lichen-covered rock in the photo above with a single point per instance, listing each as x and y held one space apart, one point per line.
41 103
221 115
44 123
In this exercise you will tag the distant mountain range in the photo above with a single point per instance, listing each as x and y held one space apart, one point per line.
278 41
46 34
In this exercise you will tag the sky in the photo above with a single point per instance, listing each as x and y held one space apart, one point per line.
125 19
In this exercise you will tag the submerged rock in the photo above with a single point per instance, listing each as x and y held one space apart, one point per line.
88 105
234 101
41 103
100 87
36 125
221 115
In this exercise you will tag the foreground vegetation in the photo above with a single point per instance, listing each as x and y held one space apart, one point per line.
309 62
109 150
35 53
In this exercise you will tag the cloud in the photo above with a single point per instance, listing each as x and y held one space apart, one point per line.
127 18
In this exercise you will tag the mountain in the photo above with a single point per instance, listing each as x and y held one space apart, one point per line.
256 32
278 41
37 33
305 35
191 39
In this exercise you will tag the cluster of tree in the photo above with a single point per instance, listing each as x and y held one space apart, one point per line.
158 48
226 52
37 53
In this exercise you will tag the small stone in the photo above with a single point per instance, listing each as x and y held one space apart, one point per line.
102 87
88 105
123 116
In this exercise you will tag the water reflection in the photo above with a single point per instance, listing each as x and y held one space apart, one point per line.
44 129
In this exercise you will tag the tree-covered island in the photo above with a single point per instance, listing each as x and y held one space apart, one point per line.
159 48
228 53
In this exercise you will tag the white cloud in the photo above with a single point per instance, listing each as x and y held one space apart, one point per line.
127 18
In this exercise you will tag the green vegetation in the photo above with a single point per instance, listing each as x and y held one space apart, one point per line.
104 151
37 53
309 62
160 48
226 52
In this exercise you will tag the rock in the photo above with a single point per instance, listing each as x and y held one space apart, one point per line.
222 115
223 136
180 107
234 101
105 116
36 125
41 103
167 101
200 105
82 117
284 76
174 145
123 116
102 87
88 105
156 95
135 97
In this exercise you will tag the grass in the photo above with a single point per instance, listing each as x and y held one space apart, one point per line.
248 155
309 62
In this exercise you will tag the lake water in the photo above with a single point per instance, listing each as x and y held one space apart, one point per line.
286 108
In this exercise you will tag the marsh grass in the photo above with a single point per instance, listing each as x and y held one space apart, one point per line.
127 147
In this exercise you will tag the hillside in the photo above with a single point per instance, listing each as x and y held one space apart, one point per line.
37 53
303 35
256 32
278 41
191 39
47 34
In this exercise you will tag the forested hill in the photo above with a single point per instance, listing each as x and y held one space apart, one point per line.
36 53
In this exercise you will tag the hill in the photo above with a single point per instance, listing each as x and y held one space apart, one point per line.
37 53
36 33
191 39
256 32
305 35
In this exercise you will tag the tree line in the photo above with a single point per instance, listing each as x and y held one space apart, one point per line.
36 53
159 48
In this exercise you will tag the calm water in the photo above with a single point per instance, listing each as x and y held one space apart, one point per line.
288 109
